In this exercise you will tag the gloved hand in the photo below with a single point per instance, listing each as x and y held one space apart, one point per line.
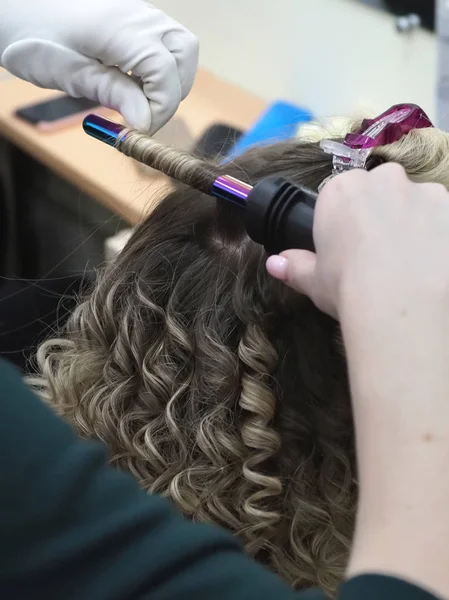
88 47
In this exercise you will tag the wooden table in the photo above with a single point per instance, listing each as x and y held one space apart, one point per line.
102 172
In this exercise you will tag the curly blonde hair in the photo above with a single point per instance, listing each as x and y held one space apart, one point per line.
216 386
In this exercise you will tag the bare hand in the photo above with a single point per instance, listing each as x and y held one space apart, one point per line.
378 237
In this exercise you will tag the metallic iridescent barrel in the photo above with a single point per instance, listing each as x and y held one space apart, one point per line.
224 187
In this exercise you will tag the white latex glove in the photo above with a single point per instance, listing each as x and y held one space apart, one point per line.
87 47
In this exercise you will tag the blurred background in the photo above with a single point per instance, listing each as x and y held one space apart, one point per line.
335 56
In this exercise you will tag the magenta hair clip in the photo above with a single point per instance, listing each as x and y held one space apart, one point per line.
388 128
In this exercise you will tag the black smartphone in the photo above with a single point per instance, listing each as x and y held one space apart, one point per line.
57 113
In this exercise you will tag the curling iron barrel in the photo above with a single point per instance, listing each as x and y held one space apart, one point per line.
278 214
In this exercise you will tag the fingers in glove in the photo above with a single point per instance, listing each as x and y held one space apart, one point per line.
52 66
161 54
184 47
159 78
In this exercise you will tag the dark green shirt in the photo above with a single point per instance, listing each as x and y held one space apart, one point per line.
73 528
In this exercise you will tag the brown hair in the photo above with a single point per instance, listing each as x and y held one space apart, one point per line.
214 384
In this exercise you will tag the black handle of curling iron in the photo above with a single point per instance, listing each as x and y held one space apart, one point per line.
279 215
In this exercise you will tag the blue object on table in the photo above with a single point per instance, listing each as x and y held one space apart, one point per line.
279 122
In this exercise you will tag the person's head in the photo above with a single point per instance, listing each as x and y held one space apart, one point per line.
217 386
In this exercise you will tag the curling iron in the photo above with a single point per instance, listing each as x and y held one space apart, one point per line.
278 213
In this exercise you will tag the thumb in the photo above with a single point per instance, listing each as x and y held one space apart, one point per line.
295 268
119 91
53 66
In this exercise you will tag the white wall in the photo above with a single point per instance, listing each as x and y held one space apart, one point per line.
334 56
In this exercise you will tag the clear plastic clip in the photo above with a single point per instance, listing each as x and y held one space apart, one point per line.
344 158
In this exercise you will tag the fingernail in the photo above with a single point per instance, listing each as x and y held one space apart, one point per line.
277 267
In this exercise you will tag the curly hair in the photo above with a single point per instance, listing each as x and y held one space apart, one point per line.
213 384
